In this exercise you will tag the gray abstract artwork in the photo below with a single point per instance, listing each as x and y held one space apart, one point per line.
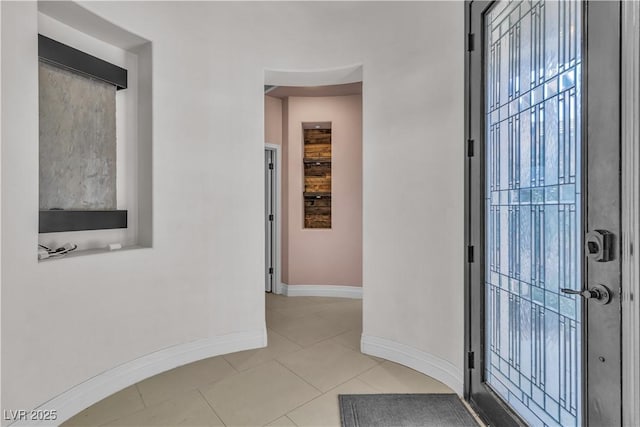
77 141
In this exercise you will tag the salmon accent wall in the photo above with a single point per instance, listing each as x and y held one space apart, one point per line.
321 256
284 195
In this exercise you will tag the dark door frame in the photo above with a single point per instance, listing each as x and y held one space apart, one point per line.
602 20
486 403
275 223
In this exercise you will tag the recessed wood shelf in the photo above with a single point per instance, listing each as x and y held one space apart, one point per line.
308 160
317 178
317 195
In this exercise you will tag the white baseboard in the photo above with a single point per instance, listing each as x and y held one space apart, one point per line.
321 291
107 383
280 290
426 363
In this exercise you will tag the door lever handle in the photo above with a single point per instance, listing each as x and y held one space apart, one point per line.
587 293
600 293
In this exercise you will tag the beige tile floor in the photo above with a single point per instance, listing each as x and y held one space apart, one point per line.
312 357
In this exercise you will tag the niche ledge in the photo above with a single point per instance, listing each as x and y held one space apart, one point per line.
95 251
54 221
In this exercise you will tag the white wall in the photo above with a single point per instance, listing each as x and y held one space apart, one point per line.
66 321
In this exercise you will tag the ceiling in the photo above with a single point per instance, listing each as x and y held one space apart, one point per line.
333 90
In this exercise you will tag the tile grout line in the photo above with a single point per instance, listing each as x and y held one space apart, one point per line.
231 364
211 407
322 340
377 363
331 337
351 379
314 343
323 393
316 308
210 383
303 379
356 377
268 360
282 336
144 407
373 386
287 368
304 403
144 403
358 350
127 414
368 383
191 388
287 417
281 416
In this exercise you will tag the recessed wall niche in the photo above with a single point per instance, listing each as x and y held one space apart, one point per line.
77 153
317 175
111 201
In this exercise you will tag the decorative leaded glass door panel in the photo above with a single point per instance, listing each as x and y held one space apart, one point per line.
545 172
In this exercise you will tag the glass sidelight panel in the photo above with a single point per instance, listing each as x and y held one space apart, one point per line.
532 208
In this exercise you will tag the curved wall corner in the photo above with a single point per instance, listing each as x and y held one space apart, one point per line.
107 383
426 363
317 77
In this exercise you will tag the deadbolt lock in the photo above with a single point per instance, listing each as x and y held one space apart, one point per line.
599 245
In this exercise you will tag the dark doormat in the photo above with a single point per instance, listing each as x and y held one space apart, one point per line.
406 410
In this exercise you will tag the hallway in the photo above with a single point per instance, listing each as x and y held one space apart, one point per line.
313 355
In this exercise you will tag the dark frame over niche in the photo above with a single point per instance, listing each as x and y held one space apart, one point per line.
66 57
76 60
53 221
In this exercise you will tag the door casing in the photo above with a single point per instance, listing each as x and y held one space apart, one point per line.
277 275
631 212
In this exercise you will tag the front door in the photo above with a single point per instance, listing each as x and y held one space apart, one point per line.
543 212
